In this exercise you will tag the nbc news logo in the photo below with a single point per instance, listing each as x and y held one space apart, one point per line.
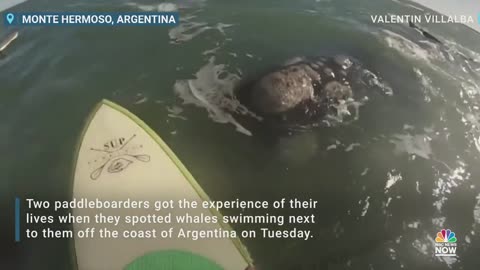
445 243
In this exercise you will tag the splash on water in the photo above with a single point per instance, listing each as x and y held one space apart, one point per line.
189 29
410 48
140 98
351 146
418 145
392 178
175 112
476 211
212 89
428 89
162 7
414 225
372 80
365 207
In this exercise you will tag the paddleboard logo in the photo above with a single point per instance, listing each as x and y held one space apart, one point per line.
117 155
445 243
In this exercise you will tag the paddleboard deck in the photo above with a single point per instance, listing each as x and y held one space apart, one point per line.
118 158
6 42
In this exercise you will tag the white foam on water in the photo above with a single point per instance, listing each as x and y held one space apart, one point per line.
338 229
293 60
176 116
214 94
162 7
393 254
470 88
343 112
414 225
414 145
140 98
175 112
221 27
212 51
446 182
476 211
351 146
168 6
454 58
477 143
342 109
410 48
189 29
372 80
334 145
421 247
331 147
463 51
365 207
427 87
398 240
439 222
179 33
467 239
392 178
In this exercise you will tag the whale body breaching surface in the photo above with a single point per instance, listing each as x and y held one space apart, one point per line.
307 89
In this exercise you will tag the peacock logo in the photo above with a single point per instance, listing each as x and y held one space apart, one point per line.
446 243
446 236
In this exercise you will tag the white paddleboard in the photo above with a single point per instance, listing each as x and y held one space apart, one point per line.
119 157
6 42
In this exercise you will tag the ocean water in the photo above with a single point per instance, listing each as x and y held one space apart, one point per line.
386 182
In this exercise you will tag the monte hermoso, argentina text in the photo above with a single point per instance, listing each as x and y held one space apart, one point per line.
98 19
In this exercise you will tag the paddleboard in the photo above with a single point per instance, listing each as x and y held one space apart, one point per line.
120 158
6 42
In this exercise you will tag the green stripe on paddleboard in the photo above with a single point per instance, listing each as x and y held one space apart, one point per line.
172 260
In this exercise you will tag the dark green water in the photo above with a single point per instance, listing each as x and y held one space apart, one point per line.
386 183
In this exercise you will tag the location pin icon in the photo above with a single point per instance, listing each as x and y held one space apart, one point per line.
10 18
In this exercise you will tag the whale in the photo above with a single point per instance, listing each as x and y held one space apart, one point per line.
304 90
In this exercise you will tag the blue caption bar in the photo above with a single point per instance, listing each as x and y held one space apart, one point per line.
109 19
17 220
